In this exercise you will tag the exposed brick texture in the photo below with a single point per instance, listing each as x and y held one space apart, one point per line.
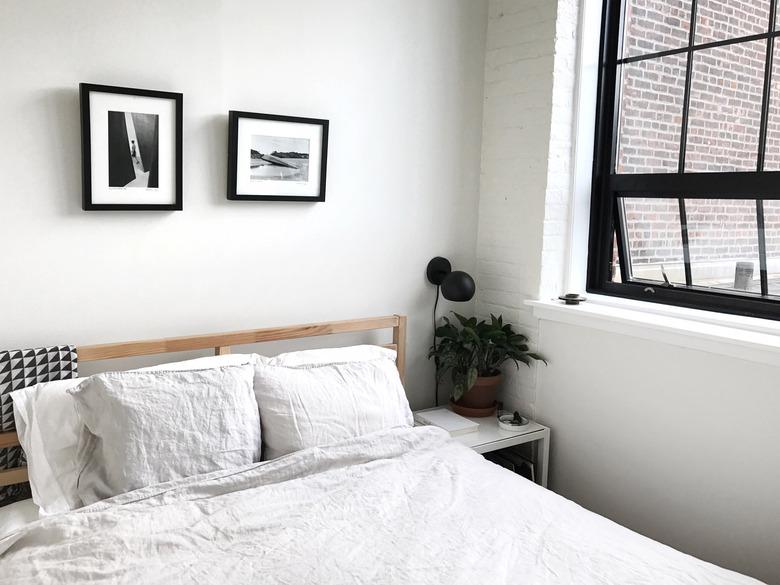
526 157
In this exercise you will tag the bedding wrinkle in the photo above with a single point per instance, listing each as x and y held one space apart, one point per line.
399 505
293 413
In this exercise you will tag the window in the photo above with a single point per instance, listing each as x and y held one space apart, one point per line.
686 184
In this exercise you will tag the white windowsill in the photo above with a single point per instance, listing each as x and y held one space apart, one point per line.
755 340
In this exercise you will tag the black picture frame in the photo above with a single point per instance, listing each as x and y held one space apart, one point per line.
234 120
85 93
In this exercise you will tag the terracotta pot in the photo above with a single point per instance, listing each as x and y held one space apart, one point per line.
481 397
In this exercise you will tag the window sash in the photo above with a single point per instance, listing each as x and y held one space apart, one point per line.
609 187
695 298
626 262
700 47
611 62
736 185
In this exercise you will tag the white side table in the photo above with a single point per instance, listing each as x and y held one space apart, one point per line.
490 437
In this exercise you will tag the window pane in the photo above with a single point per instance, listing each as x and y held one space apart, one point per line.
650 26
772 153
772 236
723 243
729 19
654 239
650 120
725 110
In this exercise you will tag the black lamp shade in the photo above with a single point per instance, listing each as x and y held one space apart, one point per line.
458 286
438 269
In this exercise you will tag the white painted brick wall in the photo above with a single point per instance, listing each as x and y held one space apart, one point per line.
525 184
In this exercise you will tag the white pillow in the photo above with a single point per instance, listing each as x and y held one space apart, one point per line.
305 406
333 355
49 428
143 428
203 363
17 515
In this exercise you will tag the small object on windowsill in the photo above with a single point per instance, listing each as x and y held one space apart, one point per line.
511 422
572 298
743 275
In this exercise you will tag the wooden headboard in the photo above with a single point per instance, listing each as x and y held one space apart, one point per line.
221 343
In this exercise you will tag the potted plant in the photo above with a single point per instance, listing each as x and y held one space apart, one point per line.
473 354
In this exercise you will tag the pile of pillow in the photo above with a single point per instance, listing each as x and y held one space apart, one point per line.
93 438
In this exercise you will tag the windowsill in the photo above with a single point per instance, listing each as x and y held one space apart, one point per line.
755 340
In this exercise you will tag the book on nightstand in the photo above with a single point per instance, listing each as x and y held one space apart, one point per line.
444 418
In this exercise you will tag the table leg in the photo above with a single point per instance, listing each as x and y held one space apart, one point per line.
543 458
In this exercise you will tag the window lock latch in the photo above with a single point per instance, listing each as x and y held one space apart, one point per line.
667 282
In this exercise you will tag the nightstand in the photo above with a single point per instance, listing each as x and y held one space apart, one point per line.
490 437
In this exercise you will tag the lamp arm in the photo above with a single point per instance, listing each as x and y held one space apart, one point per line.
436 358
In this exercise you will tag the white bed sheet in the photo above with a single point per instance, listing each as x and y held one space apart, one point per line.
17 515
397 506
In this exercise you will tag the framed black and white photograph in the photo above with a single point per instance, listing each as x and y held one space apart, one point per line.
131 142
276 158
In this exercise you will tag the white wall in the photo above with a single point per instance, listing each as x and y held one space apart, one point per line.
676 443
401 83
679 444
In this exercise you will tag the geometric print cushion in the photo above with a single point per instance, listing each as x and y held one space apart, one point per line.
19 369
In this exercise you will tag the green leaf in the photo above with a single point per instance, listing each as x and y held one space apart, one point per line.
524 359
469 333
463 320
447 331
458 390
494 335
471 377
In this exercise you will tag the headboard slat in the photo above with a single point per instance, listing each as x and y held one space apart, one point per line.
107 351
8 439
13 475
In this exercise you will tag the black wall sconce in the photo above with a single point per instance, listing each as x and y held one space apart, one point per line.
455 285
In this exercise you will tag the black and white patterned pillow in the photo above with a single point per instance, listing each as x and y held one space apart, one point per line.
19 369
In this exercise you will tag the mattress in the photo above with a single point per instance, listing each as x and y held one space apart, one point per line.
405 505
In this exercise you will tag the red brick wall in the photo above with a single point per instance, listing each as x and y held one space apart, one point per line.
723 129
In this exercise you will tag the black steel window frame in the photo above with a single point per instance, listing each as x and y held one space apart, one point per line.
609 188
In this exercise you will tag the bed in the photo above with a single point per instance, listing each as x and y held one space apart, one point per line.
398 504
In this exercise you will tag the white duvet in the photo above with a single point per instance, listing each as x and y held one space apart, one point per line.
407 505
